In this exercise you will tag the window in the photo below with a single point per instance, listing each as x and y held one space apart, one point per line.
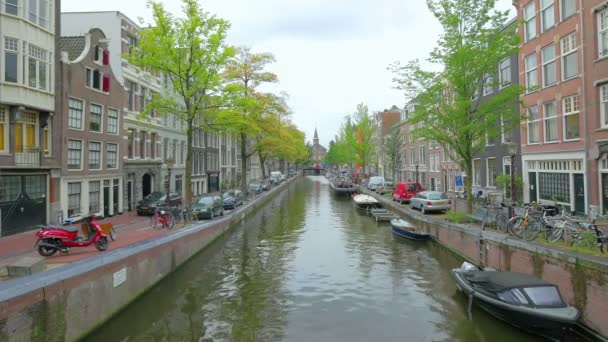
93 79
94 155
25 132
491 171
3 128
533 125
38 12
11 7
143 98
132 41
95 124
112 121
547 14
549 111
422 154
75 108
142 145
549 71
529 22
567 8
174 155
554 186
97 54
112 156
37 67
94 196
477 172
178 183
46 138
413 160
602 36
571 109
165 149
11 49
74 154
131 143
73 199
544 296
153 145
488 83
531 81
182 147
132 89
604 104
569 56
505 73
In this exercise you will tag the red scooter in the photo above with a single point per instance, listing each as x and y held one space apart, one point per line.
52 239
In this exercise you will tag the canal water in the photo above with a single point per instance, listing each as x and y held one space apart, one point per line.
309 267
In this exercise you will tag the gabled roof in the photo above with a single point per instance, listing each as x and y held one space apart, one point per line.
74 46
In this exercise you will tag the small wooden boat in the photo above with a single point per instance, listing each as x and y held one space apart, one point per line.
403 228
522 300
343 185
365 201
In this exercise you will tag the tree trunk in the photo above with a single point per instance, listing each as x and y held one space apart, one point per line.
262 166
206 160
244 163
468 186
188 166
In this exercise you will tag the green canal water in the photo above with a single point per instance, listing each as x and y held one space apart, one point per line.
309 267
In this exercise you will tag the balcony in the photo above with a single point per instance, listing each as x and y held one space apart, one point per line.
27 159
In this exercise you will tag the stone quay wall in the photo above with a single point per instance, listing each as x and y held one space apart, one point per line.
68 302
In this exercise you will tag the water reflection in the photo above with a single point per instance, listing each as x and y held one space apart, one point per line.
308 267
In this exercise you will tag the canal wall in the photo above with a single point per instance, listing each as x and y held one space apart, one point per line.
66 303
582 279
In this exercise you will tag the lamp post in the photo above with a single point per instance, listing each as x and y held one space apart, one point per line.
417 179
512 150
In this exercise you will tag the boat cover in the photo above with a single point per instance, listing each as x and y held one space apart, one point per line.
500 281
401 223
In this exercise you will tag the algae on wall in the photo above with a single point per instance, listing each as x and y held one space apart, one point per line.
538 263
579 286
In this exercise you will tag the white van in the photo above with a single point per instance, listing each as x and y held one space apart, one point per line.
276 176
374 182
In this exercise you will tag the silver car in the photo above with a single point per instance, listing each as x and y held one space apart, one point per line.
430 201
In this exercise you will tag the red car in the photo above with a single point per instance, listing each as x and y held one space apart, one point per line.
404 191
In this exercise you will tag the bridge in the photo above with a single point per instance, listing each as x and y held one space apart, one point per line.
312 171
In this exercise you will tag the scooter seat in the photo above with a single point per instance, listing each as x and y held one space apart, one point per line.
69 230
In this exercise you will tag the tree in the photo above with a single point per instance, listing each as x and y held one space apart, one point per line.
191 52
365 144
393 143
245 73
449 110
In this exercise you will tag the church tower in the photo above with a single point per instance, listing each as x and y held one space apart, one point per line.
315 139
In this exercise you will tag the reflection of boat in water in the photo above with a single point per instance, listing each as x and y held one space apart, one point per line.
365 202
343 185
405 229
522 300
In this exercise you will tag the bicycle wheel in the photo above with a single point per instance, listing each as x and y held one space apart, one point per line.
156 223
501 222
531 231
170 221
585 239
557 232
515 226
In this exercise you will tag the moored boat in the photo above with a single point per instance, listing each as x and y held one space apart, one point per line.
522 300
405 229
343 185
365 201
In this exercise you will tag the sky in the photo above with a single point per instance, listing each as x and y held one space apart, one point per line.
330 55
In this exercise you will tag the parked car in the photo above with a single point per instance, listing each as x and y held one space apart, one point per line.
255 187
374 182
144 207
175 201
430 201
265 185
385 187
208 206
232 199
404 191
275 176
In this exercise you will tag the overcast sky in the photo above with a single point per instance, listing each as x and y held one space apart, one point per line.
330 55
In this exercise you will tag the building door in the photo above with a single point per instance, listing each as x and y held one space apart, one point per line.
23 202
533 191
146 185
604 192
115 209
433 184
106 199
129 195
579 194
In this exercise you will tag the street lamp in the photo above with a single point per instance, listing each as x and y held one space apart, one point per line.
512 150
417 180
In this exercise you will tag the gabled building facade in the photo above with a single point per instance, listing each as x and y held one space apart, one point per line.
92 129
29 144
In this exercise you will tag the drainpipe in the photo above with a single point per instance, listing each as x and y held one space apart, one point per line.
584 110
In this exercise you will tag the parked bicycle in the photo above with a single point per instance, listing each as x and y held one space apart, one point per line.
185 216
494 216
548 223
163 218
588 235
519 223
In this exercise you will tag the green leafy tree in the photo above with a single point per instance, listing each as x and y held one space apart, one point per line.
191 52
364 143
244 74
449 110
393 143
